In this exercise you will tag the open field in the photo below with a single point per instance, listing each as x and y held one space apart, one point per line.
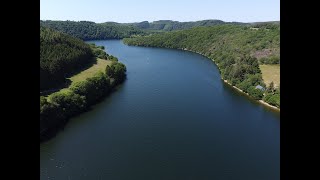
87 73
83 75
270 73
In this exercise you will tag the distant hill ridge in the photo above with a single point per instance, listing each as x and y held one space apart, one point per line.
169 25
87 30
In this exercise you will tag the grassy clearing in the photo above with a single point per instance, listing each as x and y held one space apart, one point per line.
83 75
270 73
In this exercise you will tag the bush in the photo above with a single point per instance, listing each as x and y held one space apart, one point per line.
274 100
93 88
112 58
99 52
69 102
116 71
245 85
270 60
257 94
50 115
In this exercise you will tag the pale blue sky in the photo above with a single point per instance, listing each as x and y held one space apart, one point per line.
152 10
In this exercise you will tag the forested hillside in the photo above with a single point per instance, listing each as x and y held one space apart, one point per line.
87 30
168 25
60 55
235 49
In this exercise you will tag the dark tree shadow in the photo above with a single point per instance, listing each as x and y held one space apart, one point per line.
67 82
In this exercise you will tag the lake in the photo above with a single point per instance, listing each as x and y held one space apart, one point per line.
173 119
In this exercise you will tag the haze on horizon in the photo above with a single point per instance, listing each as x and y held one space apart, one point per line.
128 11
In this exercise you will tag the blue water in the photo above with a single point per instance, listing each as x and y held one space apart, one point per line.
173 119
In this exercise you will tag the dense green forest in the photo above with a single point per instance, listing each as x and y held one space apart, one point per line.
168 25
87 30
237 50
60 55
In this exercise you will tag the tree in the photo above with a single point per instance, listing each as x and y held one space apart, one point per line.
245 85
271 89
257 94
273 99
109 71
69 102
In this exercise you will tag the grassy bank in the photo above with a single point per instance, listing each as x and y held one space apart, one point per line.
270 73
100 65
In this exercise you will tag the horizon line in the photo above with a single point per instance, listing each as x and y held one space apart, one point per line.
160 20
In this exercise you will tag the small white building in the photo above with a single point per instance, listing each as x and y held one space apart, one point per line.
260 87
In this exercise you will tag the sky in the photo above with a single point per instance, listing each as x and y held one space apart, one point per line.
124 11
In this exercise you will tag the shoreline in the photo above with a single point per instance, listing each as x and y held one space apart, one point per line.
260 101
185 49
93 96
48 133
225 81
269 105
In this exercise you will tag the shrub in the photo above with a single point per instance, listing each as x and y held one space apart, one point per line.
257 94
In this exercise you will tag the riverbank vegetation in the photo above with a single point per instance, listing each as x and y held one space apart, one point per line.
87 87
235 49
58 107
272 95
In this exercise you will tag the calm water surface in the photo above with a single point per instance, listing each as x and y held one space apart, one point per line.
172 119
